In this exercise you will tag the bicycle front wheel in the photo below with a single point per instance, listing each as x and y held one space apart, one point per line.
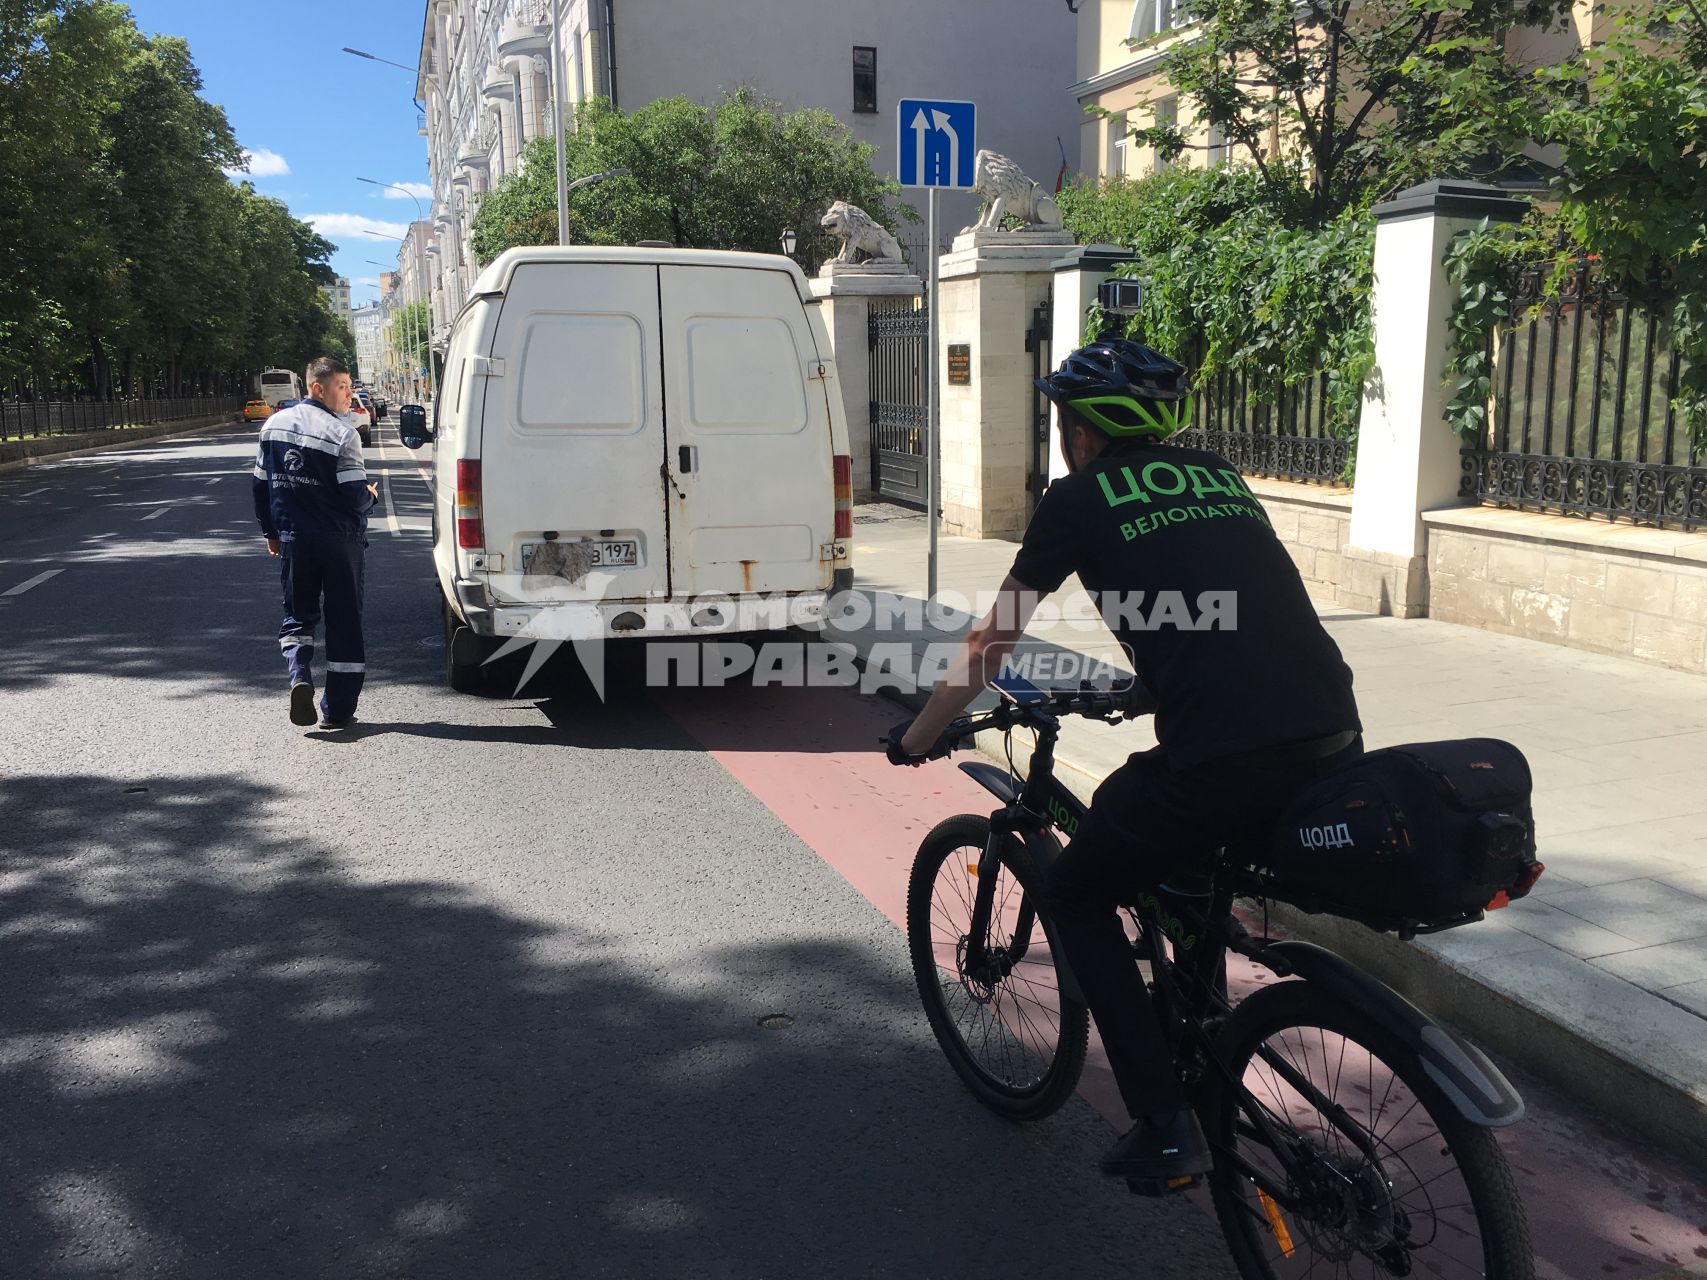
1012 1035
1380 1176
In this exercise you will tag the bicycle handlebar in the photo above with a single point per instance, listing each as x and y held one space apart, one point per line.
1110 705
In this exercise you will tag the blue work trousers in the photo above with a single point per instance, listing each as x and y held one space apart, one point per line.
329 570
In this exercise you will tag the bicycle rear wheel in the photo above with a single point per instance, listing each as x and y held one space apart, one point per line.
1008 1030
1396 1183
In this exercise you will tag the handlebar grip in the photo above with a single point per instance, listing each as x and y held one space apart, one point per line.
1134 700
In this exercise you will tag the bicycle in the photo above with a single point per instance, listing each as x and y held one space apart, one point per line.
1348 1129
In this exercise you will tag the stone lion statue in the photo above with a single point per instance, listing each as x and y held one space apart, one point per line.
859 232
1004 184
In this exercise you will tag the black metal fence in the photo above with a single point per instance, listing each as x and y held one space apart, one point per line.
1583 421
26 418
898 335
1284 434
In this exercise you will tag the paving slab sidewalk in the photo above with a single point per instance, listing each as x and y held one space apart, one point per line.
1598 981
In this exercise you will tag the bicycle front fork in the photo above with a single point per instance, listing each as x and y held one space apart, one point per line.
986 963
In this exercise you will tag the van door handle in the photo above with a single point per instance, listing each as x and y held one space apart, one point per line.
687 458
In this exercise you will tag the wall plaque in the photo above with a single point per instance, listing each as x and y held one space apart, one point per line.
960 364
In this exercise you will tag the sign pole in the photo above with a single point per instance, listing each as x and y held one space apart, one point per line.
933 407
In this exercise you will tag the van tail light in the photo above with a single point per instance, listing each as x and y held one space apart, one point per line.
470 528
844 495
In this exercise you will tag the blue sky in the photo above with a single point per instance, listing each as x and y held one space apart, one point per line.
315 118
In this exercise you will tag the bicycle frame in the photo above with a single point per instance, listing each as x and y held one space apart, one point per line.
1185 935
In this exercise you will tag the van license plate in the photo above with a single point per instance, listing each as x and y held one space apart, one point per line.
610 555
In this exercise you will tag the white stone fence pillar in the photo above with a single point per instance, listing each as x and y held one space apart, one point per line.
988 288
1408 459
1077 276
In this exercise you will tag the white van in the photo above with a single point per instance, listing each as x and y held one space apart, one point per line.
636 442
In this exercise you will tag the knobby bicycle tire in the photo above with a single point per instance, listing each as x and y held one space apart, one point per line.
1251 1227
929 932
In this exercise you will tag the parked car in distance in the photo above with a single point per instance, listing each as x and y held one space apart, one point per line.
257 411
359 418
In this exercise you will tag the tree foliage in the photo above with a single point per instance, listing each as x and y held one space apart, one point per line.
410 326
1237 277
1363 97
128 261
731 176
1631 126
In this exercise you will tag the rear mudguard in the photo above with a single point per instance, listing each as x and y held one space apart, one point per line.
1044 848
1463 1073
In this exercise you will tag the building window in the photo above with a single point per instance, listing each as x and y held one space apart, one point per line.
1219 149
1153 18
1167 113
865 79
1117 144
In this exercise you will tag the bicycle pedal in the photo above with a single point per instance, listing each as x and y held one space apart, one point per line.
1157 1187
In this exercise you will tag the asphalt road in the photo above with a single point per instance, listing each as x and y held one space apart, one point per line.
476 990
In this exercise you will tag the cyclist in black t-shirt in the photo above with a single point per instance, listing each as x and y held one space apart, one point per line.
1253 698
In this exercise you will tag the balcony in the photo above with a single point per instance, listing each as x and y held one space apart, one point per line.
474 153
498 86
527 31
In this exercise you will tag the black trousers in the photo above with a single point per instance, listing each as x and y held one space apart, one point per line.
1149 822
324 577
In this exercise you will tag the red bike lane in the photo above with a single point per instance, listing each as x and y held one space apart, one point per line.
1598 1204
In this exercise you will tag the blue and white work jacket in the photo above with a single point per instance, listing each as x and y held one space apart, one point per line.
310 480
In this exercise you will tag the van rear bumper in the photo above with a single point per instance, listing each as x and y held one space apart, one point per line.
650 619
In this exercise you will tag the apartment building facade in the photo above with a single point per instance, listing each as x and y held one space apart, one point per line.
1122 82
368 324
486 87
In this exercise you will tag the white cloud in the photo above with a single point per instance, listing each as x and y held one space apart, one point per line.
260 163
355 226
419 189
373 280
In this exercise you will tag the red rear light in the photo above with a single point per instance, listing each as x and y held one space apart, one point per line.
470 527
843 471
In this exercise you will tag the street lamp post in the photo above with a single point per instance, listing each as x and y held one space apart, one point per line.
788 242
420 215
432 377
557 113
563 234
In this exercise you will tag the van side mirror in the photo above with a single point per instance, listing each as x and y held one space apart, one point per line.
412 426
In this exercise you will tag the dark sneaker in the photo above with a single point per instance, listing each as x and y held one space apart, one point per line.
302 710
1160 1149
326 722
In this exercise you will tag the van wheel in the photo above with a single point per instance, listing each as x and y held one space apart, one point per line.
465 655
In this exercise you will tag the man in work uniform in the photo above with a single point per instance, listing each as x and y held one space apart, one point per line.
1253 699
312 498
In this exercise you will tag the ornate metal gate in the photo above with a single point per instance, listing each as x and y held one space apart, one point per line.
1037 341
898 333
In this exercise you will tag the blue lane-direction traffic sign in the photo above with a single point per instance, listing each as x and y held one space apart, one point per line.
937 144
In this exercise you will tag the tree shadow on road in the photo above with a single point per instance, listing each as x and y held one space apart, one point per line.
223 1055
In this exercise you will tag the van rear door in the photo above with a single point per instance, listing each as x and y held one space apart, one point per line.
572 444
748 441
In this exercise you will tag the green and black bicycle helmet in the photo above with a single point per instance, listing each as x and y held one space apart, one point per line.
1122 388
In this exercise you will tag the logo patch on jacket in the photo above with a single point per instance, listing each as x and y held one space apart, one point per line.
293 460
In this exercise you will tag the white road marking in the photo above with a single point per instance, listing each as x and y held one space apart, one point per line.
33 582
156 513
216 480
32 493
391 521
